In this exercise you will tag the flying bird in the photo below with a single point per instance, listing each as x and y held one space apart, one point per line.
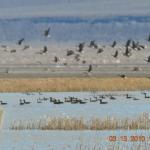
26 47
70 52
148 38
100 50
93 44
56 59
148 60
43 51
127 52
77 57
116 54
20 41
90 68
46 32
81 46
114 44
128 42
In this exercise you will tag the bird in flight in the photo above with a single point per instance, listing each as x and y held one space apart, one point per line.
90 68
46 32
20 41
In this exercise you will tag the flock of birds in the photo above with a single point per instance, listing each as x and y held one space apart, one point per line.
130 45
102 99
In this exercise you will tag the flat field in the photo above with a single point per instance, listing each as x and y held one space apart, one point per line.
73 84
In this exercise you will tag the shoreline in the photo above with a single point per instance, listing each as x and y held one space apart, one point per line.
68 84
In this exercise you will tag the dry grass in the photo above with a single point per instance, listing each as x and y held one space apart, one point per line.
73 84
64 123
1 117
114 146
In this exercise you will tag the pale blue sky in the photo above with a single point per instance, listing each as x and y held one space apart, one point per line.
16 8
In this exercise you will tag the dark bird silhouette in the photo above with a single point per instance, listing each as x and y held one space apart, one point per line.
25 102
82 102
128 43
58 102
67 99
46 32
81 46
77 57
145 95
26 47
134 44
101 102
90 68
148 38
116 54
70 52
39 101
45 49
20 41
51 99
75 101
148 60
45 98
114 44
128 97
122 75
100 50
112 97
142 46
3 103
21 102
93 44
102 96
56 59
127 52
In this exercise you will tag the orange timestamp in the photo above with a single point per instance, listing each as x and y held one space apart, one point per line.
132 138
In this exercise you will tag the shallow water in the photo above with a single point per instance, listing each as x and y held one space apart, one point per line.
121 107
68 140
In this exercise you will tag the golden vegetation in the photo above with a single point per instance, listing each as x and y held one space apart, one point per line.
114 146
73 84
68 123
1 116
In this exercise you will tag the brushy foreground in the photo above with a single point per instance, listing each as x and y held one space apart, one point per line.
73 84
1 117
115 146
70 123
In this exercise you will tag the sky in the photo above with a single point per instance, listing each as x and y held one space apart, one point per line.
24 18
25 8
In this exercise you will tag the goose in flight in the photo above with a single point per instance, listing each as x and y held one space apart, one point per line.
116 54
114 44
90 68
20 41
148 38
46 32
